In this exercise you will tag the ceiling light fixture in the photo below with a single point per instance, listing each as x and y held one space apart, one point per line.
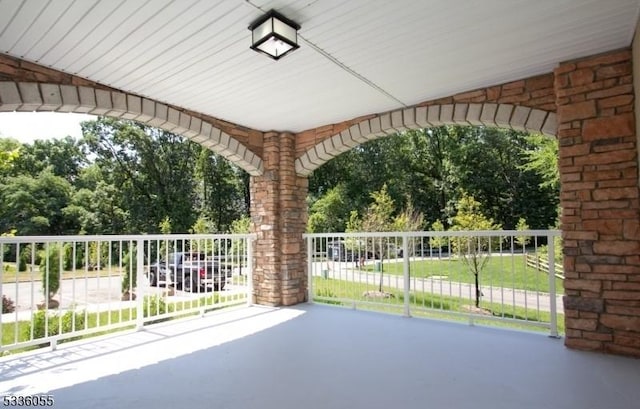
274 35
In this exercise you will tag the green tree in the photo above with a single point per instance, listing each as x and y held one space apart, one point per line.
329 213
433 178
241 225
431 167
473 249
167 245
202 226
63 156
377 218
221 189
543 160
36 205
521 226
98 210
542 155
129 279
9 153
354 224
51 267
409 220
153 170
438 241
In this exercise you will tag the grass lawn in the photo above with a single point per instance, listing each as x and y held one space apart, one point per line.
84 320
500 271
340 292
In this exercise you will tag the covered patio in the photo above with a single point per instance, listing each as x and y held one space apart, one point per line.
314 356
564 69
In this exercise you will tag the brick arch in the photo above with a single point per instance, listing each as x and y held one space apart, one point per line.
511 116
52 97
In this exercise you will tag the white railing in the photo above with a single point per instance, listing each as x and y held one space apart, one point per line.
433 274
58 288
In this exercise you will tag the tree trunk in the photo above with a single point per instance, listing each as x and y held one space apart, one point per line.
381 272
477 291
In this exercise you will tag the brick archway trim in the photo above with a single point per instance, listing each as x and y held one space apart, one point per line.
32 96
516 117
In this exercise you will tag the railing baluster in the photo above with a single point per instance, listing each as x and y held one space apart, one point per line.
406 269
141 289
249 280
553 324
310 256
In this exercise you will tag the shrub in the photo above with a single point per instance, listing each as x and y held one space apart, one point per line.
70 251
28 257
67 251
50 269
130 266
49 324
209 300
154 305
25 258
7 305
97 254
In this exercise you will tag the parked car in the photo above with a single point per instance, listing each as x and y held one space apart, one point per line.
337 251
394 251
189 271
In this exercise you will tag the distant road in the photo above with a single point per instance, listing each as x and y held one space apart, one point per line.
440 286
79 292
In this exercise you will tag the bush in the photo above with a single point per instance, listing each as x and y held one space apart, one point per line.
7 305
154 305
50 262
69 262
67 259
44 324
28 257
130 271
209 300
25 258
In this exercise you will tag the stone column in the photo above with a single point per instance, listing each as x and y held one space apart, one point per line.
600 202
279 218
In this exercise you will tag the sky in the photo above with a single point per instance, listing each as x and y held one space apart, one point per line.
29 126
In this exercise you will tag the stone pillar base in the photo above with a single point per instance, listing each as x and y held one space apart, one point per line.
279 218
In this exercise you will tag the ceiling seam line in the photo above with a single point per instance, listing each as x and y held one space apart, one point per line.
11 20
352 72
66 34
340 65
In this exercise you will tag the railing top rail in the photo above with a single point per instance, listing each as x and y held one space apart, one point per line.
462 233
125 237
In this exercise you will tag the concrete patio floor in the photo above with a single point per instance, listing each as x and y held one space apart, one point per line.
314 356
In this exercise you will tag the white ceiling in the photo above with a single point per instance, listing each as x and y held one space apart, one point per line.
356 57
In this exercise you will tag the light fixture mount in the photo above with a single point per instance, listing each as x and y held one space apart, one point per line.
274 35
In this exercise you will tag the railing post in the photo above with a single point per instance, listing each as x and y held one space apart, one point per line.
407 283
249 247
309 270
553 319
140 289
